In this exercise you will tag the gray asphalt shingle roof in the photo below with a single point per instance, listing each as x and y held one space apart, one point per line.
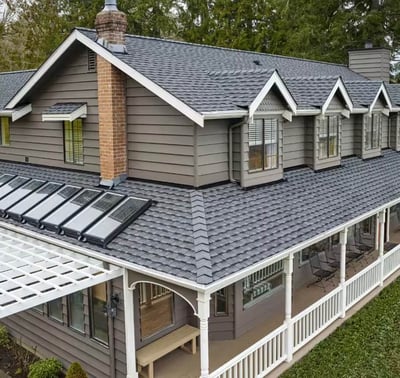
364 92
394 93
204 235
63 108
201 75
11 83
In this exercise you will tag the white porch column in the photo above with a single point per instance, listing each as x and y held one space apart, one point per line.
381 220
203 302
343 245
288 269
377 232
129 329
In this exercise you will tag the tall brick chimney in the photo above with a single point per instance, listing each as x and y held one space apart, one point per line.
111 25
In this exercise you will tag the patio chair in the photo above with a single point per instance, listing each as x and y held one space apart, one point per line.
319 272
357 249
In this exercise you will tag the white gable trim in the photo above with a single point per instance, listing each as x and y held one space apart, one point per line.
275 79
107 55
339 86
81 112
382 89
17 113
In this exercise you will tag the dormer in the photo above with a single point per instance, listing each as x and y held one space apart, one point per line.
394 118
373 105
261 147
325 101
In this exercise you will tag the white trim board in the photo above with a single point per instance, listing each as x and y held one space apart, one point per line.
195 116
339 86
81 112
17 113
382 89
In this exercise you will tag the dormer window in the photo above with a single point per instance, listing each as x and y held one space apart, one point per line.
263 144
328 137
373 132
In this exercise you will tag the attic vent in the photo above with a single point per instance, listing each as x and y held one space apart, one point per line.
257 62
92 62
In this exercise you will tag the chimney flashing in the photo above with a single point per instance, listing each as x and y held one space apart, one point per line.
113 47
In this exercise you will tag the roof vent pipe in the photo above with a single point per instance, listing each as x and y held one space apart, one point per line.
110 5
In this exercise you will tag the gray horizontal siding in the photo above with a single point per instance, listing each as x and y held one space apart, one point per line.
348 126
42 142
294 143
53 339
212 152
160 139
385 131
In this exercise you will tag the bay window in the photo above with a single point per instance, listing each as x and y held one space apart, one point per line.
373 132
328 137
263 144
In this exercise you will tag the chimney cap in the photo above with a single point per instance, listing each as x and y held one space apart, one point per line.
110 5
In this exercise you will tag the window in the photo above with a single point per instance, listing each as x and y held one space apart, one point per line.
156 309
55 309
5 131
76 319
263 144
221 302
262 283
328 137
73 141
99 320
373 132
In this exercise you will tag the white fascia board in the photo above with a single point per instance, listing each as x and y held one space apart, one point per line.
339 86
226 114
394 110
78 113
42 70
141 79
308 112
275 79
382 89
359 111
386 112
17 113
107 55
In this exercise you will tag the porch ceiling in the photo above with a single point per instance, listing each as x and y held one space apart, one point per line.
34 272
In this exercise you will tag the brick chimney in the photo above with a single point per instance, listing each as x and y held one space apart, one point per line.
371 62
111 25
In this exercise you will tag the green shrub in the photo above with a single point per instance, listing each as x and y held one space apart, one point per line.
4 338
48 368
76 371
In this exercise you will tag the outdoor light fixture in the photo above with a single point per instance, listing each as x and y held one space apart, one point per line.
110 309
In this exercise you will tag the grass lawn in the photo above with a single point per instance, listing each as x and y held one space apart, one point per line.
366 345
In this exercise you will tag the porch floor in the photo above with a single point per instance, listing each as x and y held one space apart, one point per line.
180 364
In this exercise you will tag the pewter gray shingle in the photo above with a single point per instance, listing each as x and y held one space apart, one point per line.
63 108
243 227
11 83
394 93
311 91
364 92
188 71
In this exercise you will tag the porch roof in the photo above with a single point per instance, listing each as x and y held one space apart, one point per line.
33 272
205 235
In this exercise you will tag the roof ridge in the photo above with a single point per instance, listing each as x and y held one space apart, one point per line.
316 78
223 48
200 239
240 71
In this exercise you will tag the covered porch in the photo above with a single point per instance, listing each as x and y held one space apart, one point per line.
308 308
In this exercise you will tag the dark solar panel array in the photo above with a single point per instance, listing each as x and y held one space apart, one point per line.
91 215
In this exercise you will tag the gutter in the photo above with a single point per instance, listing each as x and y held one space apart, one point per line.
230 147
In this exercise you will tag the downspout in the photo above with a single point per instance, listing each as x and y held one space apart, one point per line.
234 126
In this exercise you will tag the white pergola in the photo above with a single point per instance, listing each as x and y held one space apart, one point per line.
33 272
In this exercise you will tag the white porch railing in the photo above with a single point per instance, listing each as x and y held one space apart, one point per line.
362 283
258 360
265 355
308 323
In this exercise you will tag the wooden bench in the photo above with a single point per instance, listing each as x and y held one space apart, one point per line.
147 355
